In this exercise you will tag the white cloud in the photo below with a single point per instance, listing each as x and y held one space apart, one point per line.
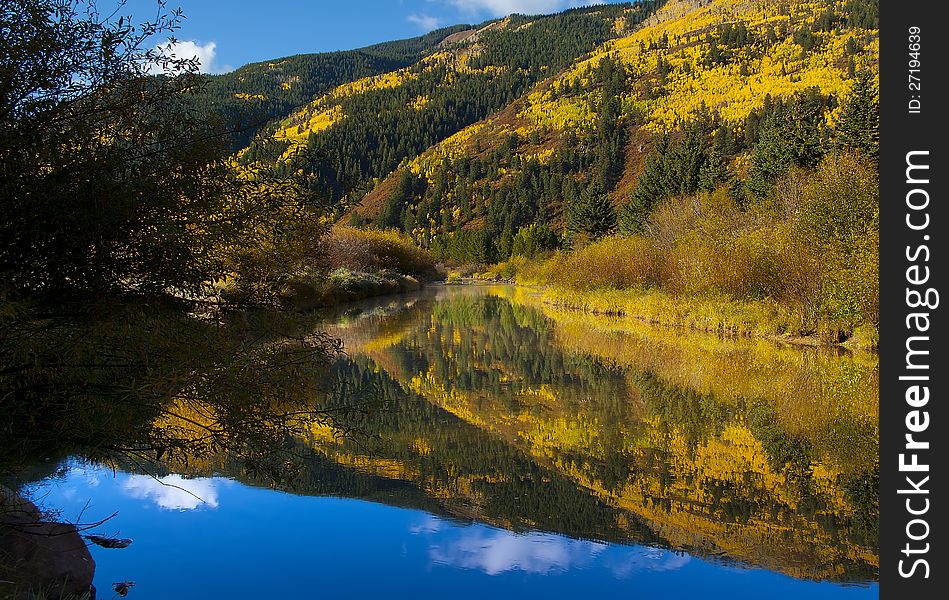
500 8
502 551
431 524
424 22
173 492
645 558
206 55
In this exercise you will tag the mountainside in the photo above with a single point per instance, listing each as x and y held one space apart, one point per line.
695 84
526 121
359 132
731 144
260 92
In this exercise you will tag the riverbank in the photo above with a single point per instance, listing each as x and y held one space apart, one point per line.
348 264
719 315
344 285
763 318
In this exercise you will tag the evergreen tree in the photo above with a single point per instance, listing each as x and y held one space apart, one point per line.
713 172
533 240
859 127
650 189
592 215
793 134
674 169
393 210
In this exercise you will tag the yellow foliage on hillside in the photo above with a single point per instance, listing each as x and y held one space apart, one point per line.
451 148
541 157
386 81
565 113
784 70
420 102
325 112
301 125
675 39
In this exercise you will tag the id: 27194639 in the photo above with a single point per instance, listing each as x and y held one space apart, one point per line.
915 82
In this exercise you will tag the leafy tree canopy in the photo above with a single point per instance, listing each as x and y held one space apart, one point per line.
110 179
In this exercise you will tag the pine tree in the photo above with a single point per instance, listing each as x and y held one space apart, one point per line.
650 189
792 135
859 127
714 171
592 215
392 214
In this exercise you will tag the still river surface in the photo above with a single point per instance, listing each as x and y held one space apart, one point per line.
517 451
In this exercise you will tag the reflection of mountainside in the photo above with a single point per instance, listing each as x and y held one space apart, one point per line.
682 432
497 412
414 454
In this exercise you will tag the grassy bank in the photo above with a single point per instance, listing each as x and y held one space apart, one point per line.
761 318
722 315
350 264
802 265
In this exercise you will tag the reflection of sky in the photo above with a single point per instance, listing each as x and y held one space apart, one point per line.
495 551
173 492
498 551
260 543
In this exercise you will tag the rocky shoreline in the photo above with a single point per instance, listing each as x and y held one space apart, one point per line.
40 558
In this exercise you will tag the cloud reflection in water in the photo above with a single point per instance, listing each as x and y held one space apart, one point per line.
174 492
495 551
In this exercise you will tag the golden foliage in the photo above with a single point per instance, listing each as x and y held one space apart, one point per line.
676 39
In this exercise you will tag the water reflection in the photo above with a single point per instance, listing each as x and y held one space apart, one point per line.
495 552
735 449
261 543
543 444
174 492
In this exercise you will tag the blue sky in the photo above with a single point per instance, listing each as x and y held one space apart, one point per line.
226 34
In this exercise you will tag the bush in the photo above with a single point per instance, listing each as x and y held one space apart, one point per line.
372 250
840 203
613 262
839 216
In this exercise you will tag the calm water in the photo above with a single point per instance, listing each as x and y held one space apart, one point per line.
512 450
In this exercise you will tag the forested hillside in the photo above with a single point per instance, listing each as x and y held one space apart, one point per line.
698 99
723 151
257 93
360 132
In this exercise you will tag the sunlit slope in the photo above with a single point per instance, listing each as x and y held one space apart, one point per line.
254 94
729 55
361 131
720 60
